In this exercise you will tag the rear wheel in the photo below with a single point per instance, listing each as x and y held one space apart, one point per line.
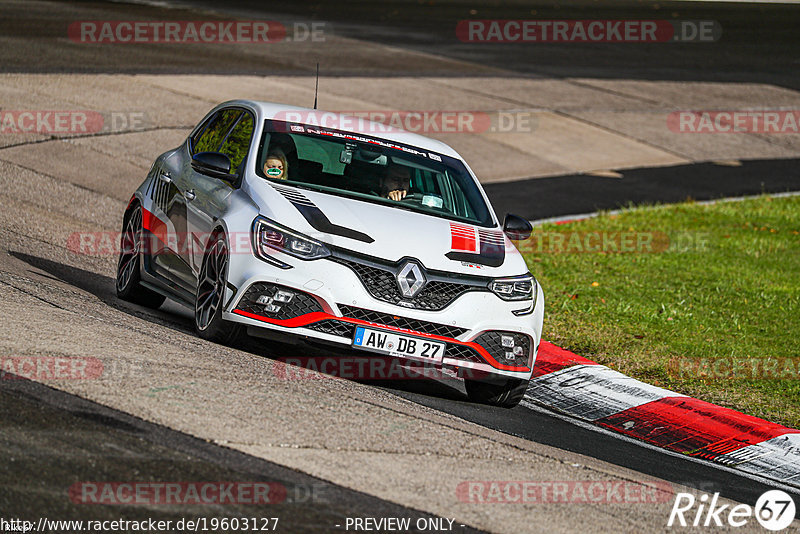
503 392
128 275
208 306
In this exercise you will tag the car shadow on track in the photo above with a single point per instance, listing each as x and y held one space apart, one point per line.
102 287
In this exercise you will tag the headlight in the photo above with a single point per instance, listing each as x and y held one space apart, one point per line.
516 288
269 235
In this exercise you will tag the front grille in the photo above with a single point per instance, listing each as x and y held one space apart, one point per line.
426 327
333 327
301 303
382 284
491 341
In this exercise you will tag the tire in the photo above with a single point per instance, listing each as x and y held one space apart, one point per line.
208 304
505 393
130 253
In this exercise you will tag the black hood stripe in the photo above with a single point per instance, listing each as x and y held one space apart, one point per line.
317 219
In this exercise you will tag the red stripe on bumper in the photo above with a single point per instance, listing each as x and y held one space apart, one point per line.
310 318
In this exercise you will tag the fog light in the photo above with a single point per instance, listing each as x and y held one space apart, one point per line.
507 341
269 304
518 351
283 296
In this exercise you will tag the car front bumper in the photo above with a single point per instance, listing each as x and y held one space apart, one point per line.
331 301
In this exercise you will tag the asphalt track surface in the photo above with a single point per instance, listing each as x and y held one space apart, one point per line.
759 41
56 437
51 438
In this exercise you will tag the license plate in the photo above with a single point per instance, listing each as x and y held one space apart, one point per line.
398 345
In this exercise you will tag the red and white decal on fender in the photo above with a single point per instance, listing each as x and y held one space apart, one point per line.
489 237
484 247
464 238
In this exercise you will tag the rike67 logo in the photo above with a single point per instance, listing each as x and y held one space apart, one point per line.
774 510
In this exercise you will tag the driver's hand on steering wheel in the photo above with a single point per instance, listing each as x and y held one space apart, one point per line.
397 194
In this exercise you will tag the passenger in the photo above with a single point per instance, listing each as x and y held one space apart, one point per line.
275 166
396 183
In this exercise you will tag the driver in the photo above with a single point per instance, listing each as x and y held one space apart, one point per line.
395 185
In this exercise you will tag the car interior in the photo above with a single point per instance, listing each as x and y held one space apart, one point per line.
355 167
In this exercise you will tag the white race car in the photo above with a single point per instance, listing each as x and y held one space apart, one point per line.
387 243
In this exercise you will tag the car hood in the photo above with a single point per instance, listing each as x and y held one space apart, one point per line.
390 233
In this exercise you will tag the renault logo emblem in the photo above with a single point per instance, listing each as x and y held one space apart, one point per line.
410 279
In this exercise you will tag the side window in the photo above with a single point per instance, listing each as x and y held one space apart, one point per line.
238 142
215 132
199 133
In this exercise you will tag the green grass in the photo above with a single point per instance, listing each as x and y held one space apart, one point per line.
726 286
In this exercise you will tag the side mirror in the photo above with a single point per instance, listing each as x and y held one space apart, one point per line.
214 164
517 228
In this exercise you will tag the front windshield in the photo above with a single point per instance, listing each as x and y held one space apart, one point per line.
370 169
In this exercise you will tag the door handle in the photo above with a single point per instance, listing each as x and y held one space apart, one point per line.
189 195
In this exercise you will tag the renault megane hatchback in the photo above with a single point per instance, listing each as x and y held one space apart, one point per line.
266 220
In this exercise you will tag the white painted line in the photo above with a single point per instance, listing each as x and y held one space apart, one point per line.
591 392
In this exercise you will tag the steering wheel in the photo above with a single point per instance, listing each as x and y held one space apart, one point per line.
413 197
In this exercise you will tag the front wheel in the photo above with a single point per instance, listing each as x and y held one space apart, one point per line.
504 392
208 305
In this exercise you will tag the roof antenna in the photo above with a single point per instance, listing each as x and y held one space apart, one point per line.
316 87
